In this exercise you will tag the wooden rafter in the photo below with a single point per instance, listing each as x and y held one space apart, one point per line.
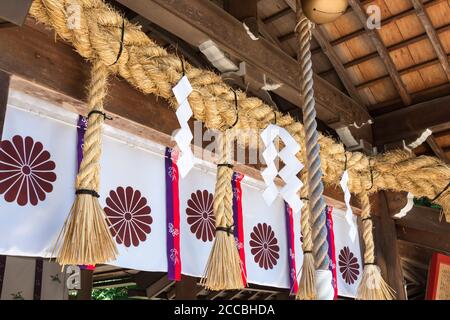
411 121
395 47
432 35
337 64
437 149
401 72
277 15
382 51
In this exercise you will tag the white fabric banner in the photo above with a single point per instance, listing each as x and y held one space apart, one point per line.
197 222
38 163
348 256
265 237
131 190
133 196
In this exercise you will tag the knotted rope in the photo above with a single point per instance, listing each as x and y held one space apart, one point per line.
372 285
85 237
223 270
152 70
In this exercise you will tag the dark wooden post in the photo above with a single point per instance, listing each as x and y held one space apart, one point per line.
85 293
4 89
386 246
186 289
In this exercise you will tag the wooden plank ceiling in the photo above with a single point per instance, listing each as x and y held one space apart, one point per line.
403 63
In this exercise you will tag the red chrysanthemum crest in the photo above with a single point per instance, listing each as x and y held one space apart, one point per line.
264 244
200 215
26 171
348 265
128 216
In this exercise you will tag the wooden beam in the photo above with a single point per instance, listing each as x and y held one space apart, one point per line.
437 149
278 15
387 251
244 11
382 51
187 288
197 21
432 35
85 293
336 62
4 89
402 72
14 11
428 240
410 122
158 287
395 47
425 219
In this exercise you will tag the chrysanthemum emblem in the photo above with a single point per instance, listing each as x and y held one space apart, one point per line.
26 171
128 216
200 215
348 265
264 244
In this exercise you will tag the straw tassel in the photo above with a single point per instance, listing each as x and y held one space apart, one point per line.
85 236
223 270
372 285
307 282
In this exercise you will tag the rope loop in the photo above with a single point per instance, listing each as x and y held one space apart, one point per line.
441 193
119 54
105 116
237 110
228 229
87 191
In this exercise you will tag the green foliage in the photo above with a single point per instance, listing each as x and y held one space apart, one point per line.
118 293
424 202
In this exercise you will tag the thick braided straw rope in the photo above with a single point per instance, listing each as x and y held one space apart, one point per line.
86 238
372 285
151 69
307 283
315 186
223 270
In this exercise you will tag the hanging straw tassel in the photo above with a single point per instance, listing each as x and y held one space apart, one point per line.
85 237
223 270
307 282
372 285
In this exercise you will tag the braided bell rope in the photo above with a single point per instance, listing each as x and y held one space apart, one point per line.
152 70
315 185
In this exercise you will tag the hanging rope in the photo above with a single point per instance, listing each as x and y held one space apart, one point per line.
85 237
307 283
316 202
372 285
223 270
152 70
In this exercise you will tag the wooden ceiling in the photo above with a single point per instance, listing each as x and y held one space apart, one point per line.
403 63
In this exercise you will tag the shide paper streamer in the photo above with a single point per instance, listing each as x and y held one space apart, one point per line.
288 174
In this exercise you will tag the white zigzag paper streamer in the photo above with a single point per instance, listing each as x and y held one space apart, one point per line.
349 217
288 174
184 136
